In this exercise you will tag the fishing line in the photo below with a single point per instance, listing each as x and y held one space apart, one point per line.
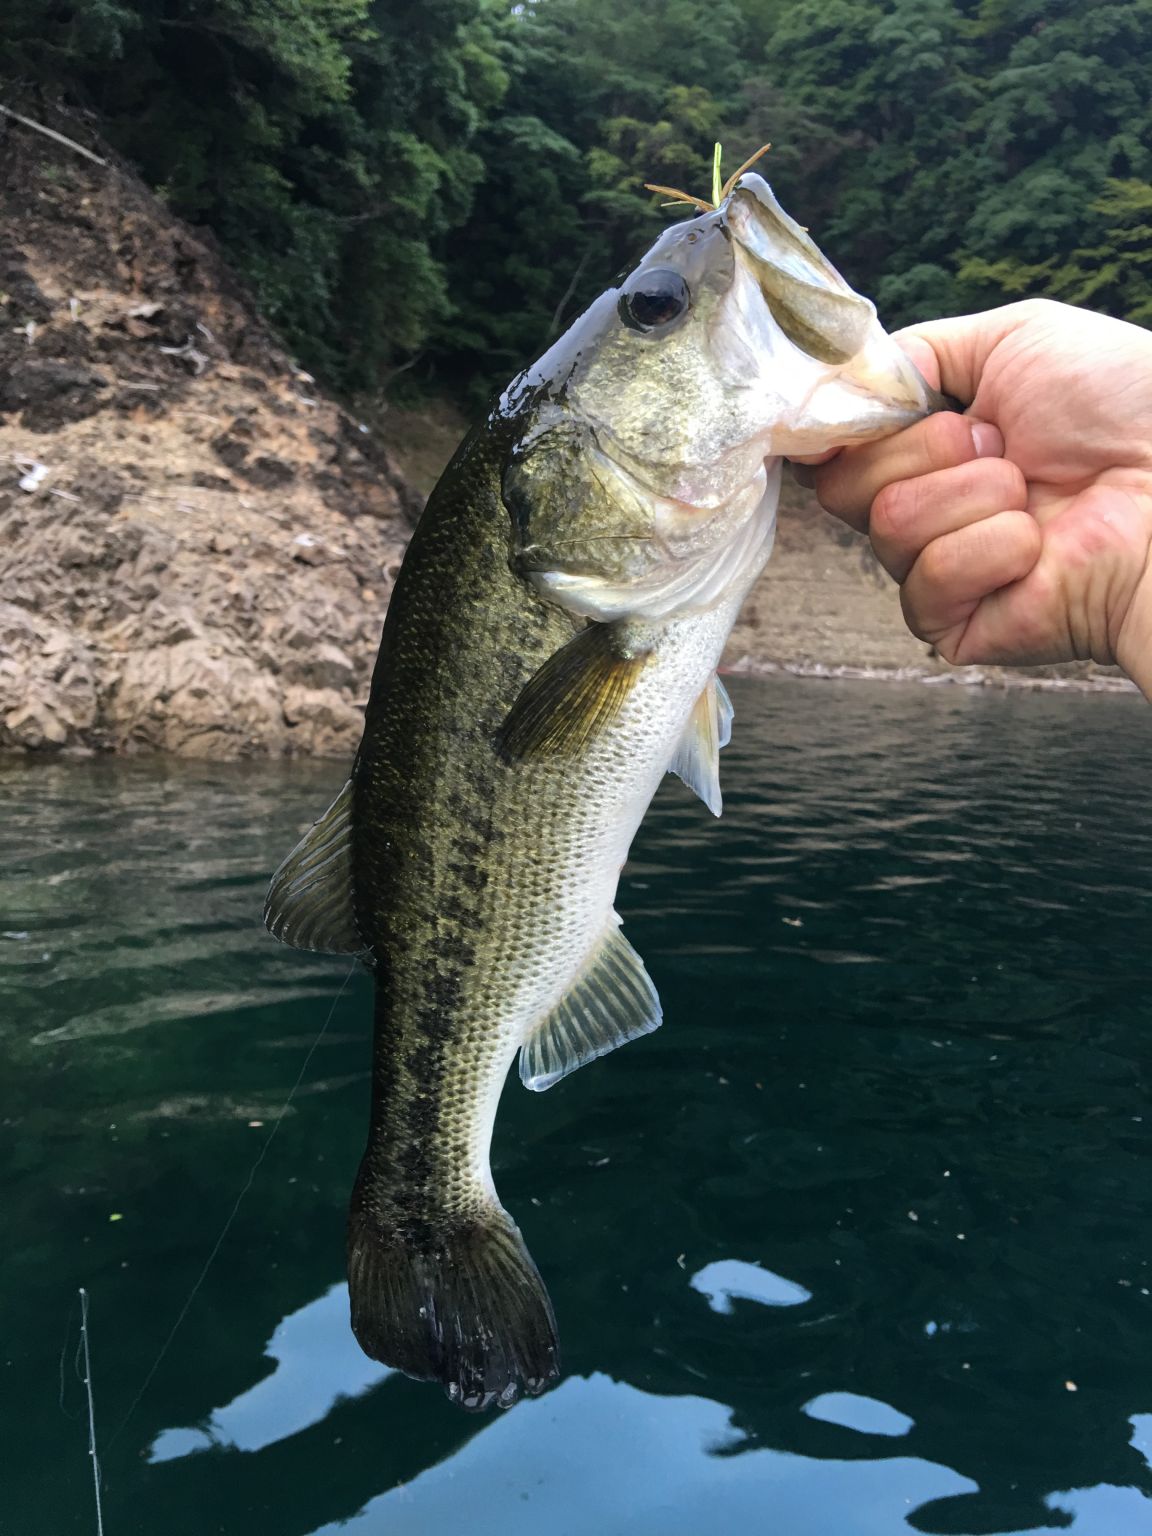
91 1411
227 1227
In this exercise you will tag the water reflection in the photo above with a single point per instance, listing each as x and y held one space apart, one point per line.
318 1364
573 1462
858 1242
853 1411
729 1279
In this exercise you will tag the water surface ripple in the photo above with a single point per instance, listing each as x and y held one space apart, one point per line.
859 1243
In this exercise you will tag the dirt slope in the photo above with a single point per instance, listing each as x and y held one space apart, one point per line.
196 548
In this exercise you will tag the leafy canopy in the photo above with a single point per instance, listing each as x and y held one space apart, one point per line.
447 182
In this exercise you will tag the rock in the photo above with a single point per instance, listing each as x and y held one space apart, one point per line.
48 693
268 472
322 722
50 393
323 666
230 450
190 699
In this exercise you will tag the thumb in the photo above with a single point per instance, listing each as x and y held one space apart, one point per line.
959 347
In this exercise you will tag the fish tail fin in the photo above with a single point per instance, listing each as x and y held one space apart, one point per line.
461 1303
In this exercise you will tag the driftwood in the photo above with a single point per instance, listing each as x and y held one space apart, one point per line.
50 133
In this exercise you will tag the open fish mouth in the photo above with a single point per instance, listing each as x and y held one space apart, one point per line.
834 332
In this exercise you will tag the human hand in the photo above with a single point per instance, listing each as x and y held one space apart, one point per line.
1020 532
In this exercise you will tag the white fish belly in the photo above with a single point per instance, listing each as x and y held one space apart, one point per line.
573 829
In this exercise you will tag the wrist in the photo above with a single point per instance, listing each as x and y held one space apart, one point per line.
1134 642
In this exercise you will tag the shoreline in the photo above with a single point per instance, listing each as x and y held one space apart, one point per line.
1009 679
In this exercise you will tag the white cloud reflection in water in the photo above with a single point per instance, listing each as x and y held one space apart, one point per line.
727 1280
574 1462
851 1410
318 1362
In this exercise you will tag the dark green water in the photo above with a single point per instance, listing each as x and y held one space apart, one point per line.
859 1243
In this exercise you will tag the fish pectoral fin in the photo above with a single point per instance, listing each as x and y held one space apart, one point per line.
697 759
578 692
309 902
611 1002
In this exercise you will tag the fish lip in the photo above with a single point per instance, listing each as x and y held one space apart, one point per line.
769 215
820 313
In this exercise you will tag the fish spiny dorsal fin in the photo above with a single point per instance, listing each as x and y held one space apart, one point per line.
611 1002
697 759
309 903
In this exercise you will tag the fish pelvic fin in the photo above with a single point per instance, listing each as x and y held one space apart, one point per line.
697 759
611 1002
460 1303
577 693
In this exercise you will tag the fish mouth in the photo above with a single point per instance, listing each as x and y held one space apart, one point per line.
810 301
826 320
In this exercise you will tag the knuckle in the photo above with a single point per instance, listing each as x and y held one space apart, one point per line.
991 485
893 515
1038 309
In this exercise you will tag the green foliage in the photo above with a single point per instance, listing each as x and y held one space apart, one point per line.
1114 274
450 181
325 141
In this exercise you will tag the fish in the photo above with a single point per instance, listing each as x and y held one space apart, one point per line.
549 653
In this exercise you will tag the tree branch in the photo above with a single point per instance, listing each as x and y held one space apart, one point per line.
50 133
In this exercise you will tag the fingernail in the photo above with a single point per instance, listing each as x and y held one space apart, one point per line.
987 441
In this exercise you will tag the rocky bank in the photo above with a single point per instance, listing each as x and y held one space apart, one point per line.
197 547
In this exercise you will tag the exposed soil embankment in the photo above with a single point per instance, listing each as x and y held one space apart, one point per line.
196 548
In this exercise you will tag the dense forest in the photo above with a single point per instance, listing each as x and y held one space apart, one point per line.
434 187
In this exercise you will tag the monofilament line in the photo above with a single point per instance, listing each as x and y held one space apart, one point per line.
91 1409
234 1212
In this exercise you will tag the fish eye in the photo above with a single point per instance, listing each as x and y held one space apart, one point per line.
656 298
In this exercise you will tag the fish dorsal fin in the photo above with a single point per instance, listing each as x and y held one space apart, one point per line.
309 903
697 759
578 692
611 1002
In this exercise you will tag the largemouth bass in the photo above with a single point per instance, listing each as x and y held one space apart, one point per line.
549 653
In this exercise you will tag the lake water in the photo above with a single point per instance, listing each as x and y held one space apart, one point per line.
859 1243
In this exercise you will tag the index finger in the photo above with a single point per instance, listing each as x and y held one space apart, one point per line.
848 485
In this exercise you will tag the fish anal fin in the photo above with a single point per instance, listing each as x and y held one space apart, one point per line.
578 692
309 902
611 1002
697 759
